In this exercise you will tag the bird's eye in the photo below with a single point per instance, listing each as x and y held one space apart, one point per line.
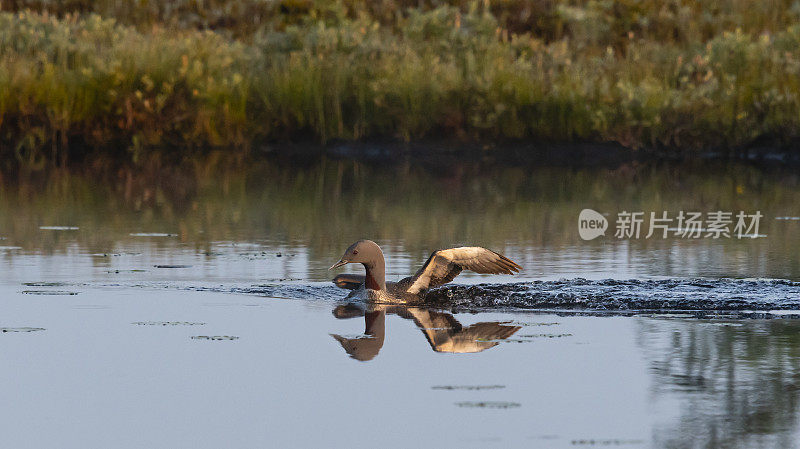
355 252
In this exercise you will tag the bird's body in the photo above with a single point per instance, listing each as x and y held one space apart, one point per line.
393 293
441 267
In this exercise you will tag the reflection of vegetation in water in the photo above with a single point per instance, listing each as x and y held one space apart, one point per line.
49 293
645 74
737 382
406 208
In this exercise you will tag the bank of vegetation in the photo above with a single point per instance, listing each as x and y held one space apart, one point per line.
127 78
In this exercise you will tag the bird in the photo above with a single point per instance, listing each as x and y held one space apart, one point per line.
441 267
442 330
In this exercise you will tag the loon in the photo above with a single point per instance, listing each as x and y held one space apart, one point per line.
442 267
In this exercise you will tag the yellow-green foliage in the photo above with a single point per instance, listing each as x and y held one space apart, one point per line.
675 75
101 83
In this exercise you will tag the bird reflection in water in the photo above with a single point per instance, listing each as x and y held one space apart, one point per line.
443 332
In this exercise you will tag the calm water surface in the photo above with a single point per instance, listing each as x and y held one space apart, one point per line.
192 308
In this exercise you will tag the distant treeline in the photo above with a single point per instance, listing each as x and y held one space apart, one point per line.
129 77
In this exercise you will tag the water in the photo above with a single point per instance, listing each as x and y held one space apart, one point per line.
192 308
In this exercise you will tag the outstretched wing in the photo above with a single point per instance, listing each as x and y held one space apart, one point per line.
445 264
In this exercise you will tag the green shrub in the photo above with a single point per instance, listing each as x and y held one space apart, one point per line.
679 75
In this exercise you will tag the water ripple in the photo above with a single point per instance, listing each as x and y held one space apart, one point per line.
750 297
633 294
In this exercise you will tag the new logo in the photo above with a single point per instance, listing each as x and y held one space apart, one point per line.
591 224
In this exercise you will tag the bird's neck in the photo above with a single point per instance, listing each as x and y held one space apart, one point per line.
375 322
376 275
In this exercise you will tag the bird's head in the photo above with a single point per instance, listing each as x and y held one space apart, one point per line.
365 252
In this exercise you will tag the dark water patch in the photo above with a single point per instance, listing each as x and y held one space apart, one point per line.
488 404
167 323
624 295
172 266
20 329
467 387
115 254
48 284
606 442
443 154
524 324
545 335
215 337
255 255
679 381
259 255
49 292
152 234
125 271
527 338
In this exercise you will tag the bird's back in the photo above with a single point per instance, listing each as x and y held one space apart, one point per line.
395 291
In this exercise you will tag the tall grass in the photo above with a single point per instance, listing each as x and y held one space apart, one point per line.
675 75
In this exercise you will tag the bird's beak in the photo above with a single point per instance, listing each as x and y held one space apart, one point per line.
338 264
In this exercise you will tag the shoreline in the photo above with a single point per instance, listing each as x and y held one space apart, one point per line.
434 154
74 86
